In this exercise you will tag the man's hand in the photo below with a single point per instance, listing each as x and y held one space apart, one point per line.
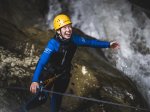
34 86
114 45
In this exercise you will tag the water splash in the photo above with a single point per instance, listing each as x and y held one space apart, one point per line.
117 20
54 8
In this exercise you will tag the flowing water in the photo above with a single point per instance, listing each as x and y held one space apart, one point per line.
116 20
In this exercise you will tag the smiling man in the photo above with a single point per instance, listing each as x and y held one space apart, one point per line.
56 61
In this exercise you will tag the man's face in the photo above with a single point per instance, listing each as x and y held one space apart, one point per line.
65 31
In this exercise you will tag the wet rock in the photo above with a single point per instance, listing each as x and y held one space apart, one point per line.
90 81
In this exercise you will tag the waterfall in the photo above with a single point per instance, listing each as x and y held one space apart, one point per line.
117 20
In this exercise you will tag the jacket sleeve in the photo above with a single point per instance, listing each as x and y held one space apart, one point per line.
82 41
49 49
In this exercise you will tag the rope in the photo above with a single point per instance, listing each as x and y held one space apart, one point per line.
80 97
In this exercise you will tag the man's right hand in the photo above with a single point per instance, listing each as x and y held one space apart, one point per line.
34 86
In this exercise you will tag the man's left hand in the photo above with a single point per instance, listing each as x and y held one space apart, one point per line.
114 45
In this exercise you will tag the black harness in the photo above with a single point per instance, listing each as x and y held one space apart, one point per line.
60 61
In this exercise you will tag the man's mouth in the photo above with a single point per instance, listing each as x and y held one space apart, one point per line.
68 34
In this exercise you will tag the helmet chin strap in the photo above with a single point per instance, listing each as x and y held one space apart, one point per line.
61 37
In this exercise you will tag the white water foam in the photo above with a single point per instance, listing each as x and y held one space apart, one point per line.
116 20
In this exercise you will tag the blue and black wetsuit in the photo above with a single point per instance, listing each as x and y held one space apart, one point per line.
56 59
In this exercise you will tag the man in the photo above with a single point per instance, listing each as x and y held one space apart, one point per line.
56 60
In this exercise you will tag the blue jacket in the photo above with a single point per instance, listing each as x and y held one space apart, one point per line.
52 50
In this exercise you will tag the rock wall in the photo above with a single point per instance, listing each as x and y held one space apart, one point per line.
23 12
